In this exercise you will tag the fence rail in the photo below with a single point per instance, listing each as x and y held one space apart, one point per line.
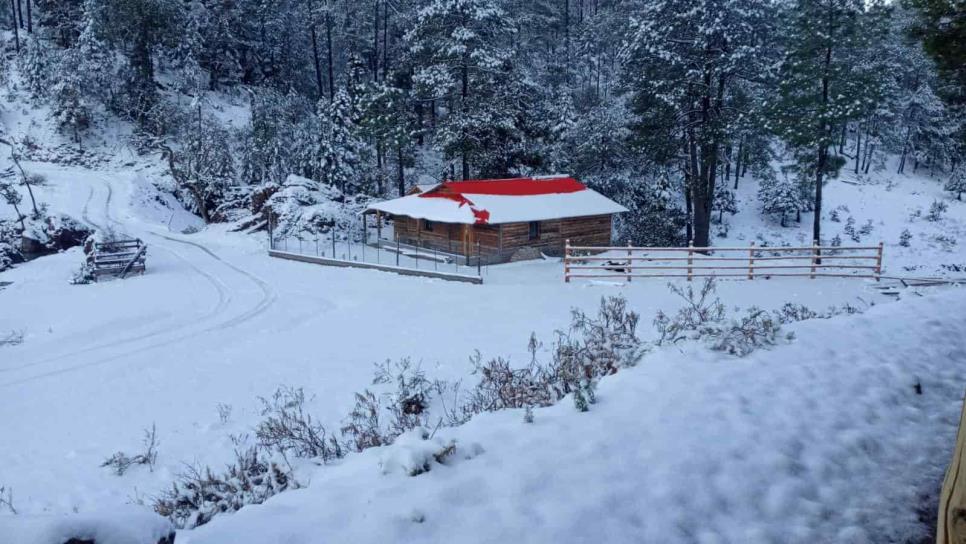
629 262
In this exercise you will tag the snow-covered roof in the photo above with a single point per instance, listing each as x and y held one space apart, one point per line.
498 201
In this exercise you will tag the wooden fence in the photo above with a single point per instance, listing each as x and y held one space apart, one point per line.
626 263
118 258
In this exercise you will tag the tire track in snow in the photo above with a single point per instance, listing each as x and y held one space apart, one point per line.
224 297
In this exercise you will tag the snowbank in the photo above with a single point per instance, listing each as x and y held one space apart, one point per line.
129 525
821 440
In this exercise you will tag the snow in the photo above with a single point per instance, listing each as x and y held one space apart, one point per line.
502 209
124 525
688 447
820 440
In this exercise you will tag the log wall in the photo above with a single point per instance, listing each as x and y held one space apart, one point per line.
501 242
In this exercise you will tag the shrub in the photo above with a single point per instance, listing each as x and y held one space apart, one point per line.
703 318
120 462
699 309
905 238
746 334
936 210
6 499
198 495
289 429
12 338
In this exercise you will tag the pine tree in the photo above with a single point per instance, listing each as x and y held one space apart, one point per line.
818 90
458 49
957 181
683 62
338 144
780 195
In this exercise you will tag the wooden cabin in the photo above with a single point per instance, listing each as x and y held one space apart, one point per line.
503 219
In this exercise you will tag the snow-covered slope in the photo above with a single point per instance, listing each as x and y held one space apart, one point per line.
822 440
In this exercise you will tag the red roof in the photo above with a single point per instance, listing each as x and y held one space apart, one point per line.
508 187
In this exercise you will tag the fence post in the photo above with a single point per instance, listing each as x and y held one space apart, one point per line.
316 245
814 259
332 235
479 260
630 261
567 261
751 261
878 262
271 235
690 259
435 258
397 250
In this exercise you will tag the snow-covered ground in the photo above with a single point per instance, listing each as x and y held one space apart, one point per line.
820 440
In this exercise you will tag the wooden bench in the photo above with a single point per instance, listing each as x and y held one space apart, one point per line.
951 528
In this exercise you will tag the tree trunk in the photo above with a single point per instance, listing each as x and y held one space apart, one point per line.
19 14
13 17
30 19
741 148
400 174
328 43
375 41
315 50
385 42
858 146
822 151
463 95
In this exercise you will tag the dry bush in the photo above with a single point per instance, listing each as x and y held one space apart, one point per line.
120 462
699 309
13 338
199 494
289 430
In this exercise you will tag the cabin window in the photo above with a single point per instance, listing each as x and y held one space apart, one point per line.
427 225
534 230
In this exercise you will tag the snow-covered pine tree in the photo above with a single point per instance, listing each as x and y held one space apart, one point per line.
724 201
69 104
956 183
817 89
338 143
459 50
682 62
780 195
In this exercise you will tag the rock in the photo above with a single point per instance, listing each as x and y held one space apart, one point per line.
53 234
525 254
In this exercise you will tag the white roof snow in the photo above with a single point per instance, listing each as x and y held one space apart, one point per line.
501 208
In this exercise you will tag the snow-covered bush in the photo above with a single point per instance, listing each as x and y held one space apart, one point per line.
302 206
936 210
289 429
9 244
905 238
741 336
703 318
501 386
956 183
6 499
199 494
700 308
415 452
120 462
12 338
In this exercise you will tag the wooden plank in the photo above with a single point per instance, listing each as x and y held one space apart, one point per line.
951 523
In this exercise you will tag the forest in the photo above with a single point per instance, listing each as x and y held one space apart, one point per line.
664 105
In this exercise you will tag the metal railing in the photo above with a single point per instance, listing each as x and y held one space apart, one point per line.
343 246
749 262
